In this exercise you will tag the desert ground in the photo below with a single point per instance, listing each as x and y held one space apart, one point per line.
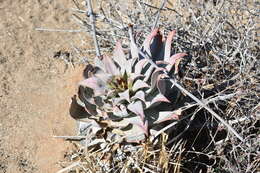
35 88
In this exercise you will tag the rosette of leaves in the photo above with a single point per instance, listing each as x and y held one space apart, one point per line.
123 96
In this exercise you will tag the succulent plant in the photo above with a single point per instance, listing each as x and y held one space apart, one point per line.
125 96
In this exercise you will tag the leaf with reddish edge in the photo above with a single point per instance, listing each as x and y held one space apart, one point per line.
140 65
167 52
136 108
138 131
157 100
167 115
119 55
148 39
96 84
139 84
143 126
154 78
110 65
174 60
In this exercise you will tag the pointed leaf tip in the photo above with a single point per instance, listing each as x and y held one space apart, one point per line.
119 55
110 65
137 108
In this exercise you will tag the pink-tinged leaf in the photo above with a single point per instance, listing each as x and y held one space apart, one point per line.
136 108
96 84
174 60
157 100
110 65
167 52
155 78
138 131
139 95
148 39
167 115
139 84
143 127
119 55
139 66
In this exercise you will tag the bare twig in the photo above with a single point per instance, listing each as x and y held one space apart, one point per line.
71 137
158 14
92 19
163 9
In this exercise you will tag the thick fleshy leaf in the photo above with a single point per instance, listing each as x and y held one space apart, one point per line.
148 73
110 65
157 47
139 66
157 100
164 84
136 131
136 108
76 110
139 95
88 71
134 135
125 95
154 78
119 55
148 39
96 84
139 84
122 96
90 108
103 75
88 126
174 60
143 126
167 115
120 111
167 52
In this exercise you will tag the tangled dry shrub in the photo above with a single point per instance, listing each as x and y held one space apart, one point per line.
221 39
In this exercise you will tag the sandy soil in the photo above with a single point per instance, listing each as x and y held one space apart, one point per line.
35 88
